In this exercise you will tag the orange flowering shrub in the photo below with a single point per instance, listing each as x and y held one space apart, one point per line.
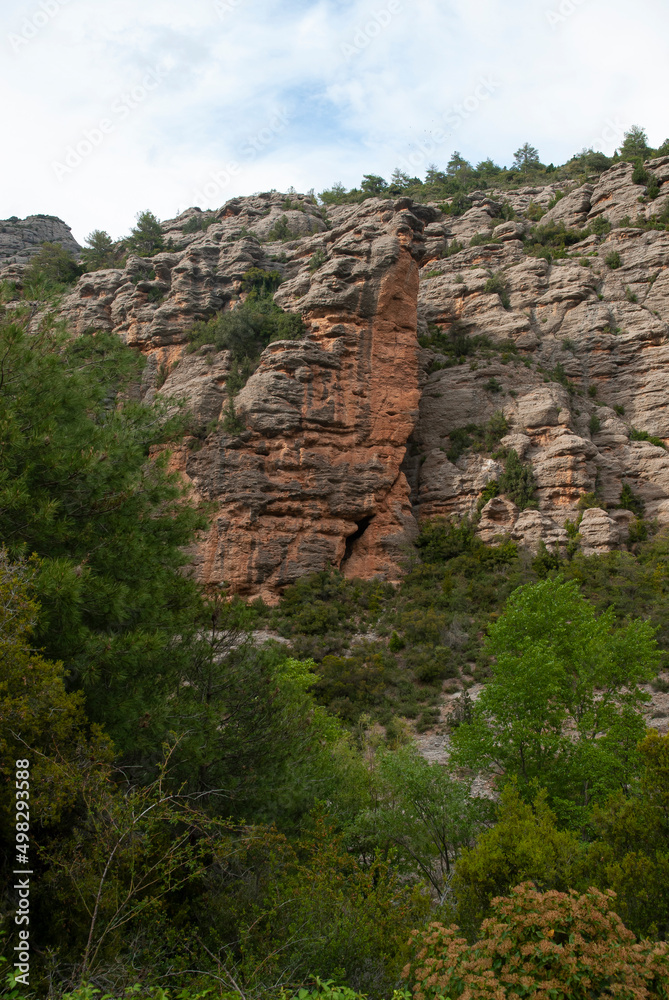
556 945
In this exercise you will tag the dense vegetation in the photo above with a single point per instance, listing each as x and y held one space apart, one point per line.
215 817
452 184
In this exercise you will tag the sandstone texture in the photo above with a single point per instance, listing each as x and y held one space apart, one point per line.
348 439
314 479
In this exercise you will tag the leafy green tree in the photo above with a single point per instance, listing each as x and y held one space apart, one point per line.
630 852
422 811
526 158
146 238
635 145
99 252
563 705
39 718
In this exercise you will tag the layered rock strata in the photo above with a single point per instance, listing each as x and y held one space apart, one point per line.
314 480
349 433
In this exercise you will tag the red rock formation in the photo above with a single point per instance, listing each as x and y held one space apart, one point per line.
315 481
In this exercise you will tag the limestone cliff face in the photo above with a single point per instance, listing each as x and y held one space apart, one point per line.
348 432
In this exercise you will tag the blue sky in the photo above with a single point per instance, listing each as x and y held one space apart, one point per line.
114 106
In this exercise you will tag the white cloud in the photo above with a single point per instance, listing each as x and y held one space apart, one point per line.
364 83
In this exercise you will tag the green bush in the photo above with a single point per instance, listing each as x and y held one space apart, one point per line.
281 231
613 260
587 501
199 223
595 424
517 482
318 258
640 175
247 330
629 500
524 845
50 271
498 285
637 435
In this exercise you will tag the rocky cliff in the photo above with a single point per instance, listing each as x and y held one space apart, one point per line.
422 330
21 239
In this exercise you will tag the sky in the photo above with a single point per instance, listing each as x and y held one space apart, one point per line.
111 107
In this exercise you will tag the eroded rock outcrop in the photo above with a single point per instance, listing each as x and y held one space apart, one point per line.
575 355
316 478
21 239
349 433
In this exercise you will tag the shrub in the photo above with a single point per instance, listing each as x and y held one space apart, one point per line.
630 501
540 944
482 240
631 296
637 435
455 343
600 226
497 284
595 424
281 231
517 481
524 844
199 223
587 501
489 491
613 260
492 385
453 248
440 539
50 271
318 258
247 330
640 175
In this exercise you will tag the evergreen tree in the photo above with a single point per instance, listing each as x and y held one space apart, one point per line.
635 145
99 253
146 238
526 158
108 525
